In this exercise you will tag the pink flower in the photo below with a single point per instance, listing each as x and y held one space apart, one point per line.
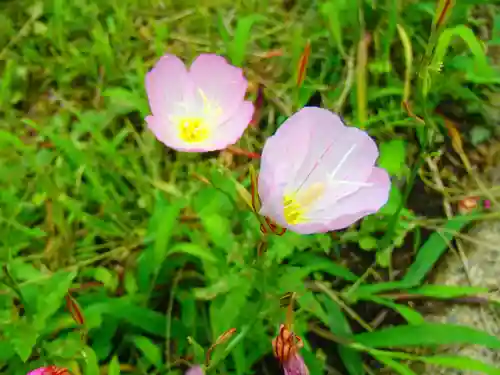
286 349
318 175
195 370
39 371
200 109
50 370
295 366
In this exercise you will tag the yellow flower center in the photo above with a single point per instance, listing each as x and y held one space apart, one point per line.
193 129
293 211
297 204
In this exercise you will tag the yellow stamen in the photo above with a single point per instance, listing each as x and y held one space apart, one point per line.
298 203
193 129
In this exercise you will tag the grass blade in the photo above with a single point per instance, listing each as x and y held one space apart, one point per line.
432 250
426 334
238 48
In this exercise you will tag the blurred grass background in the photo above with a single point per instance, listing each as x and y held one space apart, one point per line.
155 246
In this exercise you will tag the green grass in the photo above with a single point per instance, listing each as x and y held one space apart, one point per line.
153 255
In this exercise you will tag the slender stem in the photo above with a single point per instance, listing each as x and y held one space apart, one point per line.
330 293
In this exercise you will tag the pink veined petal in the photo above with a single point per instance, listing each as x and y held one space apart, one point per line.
195 370
340 156
295 366
365 201
229 132
282 156
166 85
222 84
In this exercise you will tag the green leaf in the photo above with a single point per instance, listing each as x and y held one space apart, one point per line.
220 355
161 228
91 363
368 243
368 290
392 205
339 326
481 70
312 263
224 316
221 27
106 277
426 334
309 303
52 294
238 48
114 366
149 350
163 222
457 362
410 315
331 11
211 200
447 291
408 53
128 310
393 156
395 365
199 352
67 347
123 101
23 337
194 250
433 248
219 230
6 350
462 363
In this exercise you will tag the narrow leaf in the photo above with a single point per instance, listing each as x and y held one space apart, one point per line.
426 334
395 365
91 362
194 250
149 350
432 250
339 326
241 37
114 366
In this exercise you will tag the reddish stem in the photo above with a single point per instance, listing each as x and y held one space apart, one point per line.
239 151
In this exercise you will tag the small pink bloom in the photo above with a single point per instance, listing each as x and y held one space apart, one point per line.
50 370
295 366
195 370
199 109
39 371
318 175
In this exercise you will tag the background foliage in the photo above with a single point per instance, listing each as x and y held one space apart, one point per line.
155 253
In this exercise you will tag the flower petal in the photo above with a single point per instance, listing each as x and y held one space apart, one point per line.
39 371
164 131
166 84
295 366
222 84
229 132
339 156
282 155
195 370
367 200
